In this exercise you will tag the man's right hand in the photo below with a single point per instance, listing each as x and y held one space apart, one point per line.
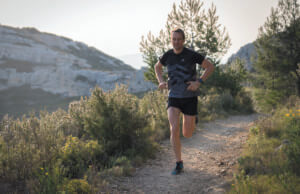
163 85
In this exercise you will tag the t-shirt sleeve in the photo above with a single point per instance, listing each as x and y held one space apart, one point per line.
198 58
163 58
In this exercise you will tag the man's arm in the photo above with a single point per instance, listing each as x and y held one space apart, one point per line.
209 68
158 72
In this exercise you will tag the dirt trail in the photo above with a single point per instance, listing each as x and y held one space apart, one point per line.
209 157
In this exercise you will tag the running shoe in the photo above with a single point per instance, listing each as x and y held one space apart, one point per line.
178 169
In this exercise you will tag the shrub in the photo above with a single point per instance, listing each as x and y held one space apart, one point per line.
77 155
114 119
271 161
243 102
153 105
75 186
28 144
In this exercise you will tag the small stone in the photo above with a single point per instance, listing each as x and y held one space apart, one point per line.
231 163
223 171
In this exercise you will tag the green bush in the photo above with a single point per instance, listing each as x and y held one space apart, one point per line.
210 105
108 132
75 186
243 102
121 166
114 119
96 133
265 183
293 134
226 78
30 143
77 155
220 103
271 161
267 100
45 181
153 105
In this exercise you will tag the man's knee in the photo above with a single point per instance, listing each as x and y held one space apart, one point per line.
188 129
174 130
188 125
188 133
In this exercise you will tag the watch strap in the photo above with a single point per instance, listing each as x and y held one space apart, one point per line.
201 81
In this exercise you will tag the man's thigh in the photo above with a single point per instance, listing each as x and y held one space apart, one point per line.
189 123
173 116
189 116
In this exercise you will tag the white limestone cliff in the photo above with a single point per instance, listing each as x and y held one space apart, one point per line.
60 65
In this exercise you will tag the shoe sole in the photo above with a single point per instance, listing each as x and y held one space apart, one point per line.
178 173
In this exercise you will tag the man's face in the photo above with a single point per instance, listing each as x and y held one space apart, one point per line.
177 40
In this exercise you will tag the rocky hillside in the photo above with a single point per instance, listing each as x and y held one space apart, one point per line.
245 53
33 61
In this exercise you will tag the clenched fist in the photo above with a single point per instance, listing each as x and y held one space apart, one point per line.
193 85
163 85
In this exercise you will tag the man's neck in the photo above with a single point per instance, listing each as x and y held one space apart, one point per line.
178 51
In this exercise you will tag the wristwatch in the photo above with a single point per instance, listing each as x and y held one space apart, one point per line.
201 81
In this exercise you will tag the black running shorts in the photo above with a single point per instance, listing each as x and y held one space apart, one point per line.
187 106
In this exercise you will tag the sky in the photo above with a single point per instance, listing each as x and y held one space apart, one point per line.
115 27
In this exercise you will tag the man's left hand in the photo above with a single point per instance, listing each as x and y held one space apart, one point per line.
193 85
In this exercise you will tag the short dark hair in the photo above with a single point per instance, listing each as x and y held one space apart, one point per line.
179 31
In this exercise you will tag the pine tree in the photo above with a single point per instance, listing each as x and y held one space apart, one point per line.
278 54
203 34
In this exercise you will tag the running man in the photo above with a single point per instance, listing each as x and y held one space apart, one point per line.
183 89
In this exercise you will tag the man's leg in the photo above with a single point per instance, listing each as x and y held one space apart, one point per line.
174 116
188 125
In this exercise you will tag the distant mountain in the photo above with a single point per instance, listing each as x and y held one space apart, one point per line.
245 52
53 67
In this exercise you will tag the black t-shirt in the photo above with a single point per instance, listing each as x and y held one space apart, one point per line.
181 68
